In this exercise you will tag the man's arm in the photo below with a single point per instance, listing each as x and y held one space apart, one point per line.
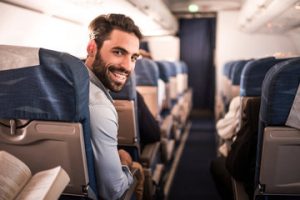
113 177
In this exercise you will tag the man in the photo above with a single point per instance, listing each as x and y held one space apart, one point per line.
112 52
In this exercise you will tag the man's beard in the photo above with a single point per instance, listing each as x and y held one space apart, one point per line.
102 71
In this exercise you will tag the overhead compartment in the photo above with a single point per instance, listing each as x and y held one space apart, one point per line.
269 16
159 12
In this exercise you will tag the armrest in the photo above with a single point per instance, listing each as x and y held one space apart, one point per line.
150 155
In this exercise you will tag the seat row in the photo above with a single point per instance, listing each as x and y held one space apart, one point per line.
45 118
261 129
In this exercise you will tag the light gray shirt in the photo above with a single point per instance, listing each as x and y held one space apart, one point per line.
113 178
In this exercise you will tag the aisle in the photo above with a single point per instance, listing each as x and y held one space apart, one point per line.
192 179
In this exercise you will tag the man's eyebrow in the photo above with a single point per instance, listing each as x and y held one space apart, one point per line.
120 48
125 51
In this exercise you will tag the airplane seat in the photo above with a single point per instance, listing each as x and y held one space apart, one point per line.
277 170
181 93
167 72
147 77
188 91
227 126
126 106
250 95
125 102
226 86
44 114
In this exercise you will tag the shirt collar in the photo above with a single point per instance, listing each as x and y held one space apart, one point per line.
99 84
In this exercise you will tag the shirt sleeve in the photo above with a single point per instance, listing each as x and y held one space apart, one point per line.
113 179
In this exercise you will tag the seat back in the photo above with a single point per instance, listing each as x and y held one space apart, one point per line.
277 170
147 76
44 113
126 106
165 75
235 77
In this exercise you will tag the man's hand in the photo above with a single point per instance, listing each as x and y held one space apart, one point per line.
125 158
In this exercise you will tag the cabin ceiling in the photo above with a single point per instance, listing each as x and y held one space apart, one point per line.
181 7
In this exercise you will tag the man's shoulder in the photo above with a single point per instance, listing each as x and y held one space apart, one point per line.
98 96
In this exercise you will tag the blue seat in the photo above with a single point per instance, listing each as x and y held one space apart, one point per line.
277 170
253 75
126 106
44 104
147 74
250 90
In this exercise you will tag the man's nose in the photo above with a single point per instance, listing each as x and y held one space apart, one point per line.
128 64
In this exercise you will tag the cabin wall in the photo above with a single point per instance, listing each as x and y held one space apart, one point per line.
34 29
232 44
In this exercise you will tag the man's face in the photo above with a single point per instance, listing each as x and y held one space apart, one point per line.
116 59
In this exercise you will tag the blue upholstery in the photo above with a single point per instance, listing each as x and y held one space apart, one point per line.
236 72
165 71
147 72
227 68
278 92
179 67
253 75
184 67
173 69
57 89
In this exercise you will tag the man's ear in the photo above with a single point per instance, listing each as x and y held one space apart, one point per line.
91 51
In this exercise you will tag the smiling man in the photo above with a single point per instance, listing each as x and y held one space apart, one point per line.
112 52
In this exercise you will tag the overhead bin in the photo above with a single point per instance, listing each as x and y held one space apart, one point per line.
269 16
159 12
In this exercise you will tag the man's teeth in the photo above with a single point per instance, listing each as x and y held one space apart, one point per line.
120 76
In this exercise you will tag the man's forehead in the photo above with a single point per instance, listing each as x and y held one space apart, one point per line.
127 41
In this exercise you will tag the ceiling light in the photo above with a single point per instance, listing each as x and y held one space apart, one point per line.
193 8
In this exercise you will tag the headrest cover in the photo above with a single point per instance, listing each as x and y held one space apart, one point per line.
54 86
129 90
147 73
18 57
253 75
278 92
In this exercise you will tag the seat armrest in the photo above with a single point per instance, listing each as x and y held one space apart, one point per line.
150 154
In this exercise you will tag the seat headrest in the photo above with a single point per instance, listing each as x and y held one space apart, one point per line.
227 68
147 73
42 84
253 75
236 71
164 70
184 67
278 92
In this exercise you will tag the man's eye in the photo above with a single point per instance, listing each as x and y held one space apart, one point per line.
118 52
